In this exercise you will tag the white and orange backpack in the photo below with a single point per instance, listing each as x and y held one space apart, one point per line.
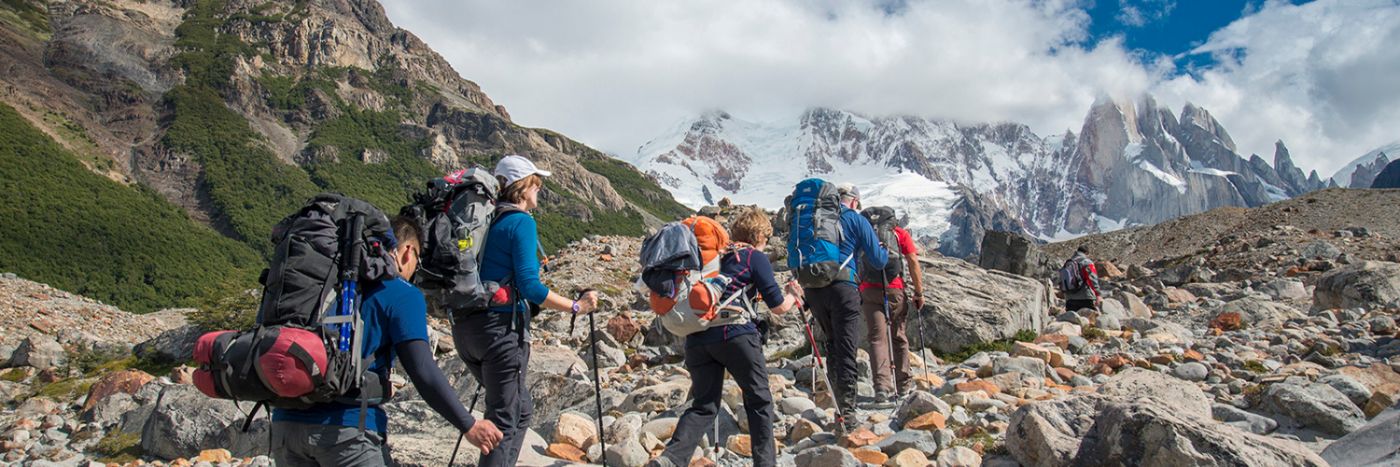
681 275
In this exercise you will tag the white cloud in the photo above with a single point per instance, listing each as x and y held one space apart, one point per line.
613 73
1147 11
1324 77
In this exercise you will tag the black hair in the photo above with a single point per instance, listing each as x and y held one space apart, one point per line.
1083 249
406 227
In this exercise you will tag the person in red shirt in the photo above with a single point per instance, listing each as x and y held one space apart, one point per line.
873 296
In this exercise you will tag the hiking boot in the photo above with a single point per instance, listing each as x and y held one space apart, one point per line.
846 425
883 400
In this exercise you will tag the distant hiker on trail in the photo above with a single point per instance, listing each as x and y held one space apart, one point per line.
883 290
495 342
1079 281
737 348
825 235
396 324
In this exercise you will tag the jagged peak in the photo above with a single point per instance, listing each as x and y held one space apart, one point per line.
1282 159
1199 116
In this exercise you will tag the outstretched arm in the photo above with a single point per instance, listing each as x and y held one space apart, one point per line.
418 362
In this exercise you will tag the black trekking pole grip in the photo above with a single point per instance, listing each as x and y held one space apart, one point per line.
349 261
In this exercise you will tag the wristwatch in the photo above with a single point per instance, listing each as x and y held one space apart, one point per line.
575 306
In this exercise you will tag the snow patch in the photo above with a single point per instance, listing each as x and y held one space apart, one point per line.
1162 175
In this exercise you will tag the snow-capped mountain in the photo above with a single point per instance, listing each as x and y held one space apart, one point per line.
1360 172
1133 163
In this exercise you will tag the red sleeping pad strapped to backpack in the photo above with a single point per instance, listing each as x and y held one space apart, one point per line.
288 362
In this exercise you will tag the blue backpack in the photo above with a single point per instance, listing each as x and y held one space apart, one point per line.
814 233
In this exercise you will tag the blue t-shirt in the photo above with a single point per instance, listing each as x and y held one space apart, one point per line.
747 267
394 312
510 253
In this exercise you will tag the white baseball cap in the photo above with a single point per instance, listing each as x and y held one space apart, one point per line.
848 190
513 168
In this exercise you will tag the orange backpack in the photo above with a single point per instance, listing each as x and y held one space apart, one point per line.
698 302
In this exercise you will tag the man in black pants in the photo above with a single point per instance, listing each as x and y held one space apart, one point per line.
837 306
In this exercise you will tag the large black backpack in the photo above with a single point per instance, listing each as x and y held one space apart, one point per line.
455 212
884 220
305 347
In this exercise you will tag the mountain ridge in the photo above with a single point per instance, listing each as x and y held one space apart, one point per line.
236 111
1131 163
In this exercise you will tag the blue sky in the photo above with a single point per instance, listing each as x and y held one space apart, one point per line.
1169 28
615 74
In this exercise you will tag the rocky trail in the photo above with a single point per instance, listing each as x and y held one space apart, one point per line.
1282 353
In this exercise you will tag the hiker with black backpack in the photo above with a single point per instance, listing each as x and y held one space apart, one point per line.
494 341
395 325
1078 279
335 313
825 234
736 348
885 306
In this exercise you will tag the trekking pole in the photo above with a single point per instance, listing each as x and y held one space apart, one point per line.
816 353
923 346
454 450
479 390
597 382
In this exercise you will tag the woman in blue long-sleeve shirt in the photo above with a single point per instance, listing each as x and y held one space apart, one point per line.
495 344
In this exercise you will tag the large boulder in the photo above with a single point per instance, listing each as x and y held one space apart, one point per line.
1260 313
172 346
1316 406
1010 252
41 352
125 381
557 379
1134 383
1375 443
967 305
1132 433
1048 433
184 422
1368 284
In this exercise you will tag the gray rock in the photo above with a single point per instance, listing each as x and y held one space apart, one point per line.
1375 443
172 346
1320 249
959 456
1110 323
920 403
1112 308
826 456
7 355
919 440
1257 424
185 421
109 411
1029 366
1368 284
1260 313
1316 406
968 305
1048 433
1284 289
1010 252
41 352
1134 383
1382 325
1356 392
628 426
629 453
1191 371
1130 433
795 405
